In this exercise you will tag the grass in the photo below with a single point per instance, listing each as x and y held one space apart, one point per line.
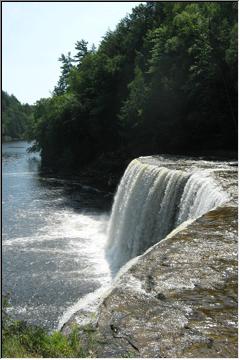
20 340
25 341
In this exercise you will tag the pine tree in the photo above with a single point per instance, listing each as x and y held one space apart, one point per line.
66 67
81 47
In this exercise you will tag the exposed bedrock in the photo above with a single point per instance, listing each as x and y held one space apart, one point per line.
179 298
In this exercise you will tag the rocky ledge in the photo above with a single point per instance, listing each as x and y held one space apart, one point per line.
178 299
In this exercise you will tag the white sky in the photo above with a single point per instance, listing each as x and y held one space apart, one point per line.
35 34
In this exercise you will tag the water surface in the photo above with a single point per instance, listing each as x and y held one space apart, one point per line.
54 233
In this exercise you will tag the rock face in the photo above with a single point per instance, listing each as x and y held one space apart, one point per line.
178 299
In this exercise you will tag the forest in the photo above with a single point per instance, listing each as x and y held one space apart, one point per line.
164 81
17 118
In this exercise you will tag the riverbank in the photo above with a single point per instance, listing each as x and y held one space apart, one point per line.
21 340
6 138
104 173
107 170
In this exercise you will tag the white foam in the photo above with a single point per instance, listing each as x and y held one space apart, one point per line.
150 202
88 304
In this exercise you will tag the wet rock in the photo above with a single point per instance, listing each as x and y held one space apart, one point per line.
187 310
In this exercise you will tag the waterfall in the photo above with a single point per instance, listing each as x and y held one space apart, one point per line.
150 202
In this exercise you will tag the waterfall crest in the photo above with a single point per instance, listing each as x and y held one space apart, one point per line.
150 202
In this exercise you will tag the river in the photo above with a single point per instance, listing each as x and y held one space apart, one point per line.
54 233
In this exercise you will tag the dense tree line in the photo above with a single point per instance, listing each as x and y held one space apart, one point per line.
17 118
164 81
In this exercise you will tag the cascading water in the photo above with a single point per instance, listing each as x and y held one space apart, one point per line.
150 202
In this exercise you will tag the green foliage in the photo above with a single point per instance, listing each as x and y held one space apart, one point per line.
131 113
20 340
164 81
82 50
16 118
66 67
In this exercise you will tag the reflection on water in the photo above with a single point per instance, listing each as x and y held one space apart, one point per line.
54 233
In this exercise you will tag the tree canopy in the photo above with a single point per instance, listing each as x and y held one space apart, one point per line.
16 117
164 81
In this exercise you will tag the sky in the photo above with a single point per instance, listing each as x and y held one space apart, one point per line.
35 34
